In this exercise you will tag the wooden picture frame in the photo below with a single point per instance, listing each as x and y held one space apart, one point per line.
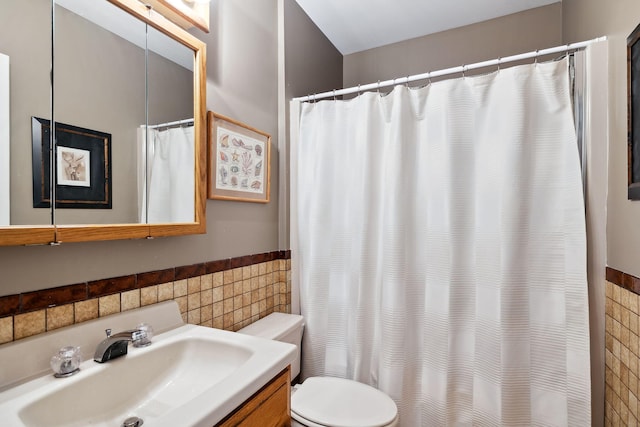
633 115
82 167
238 160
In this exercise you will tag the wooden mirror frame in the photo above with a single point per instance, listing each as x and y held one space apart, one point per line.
53 234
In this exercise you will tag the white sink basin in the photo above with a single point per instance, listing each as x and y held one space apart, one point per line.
147 383
189 376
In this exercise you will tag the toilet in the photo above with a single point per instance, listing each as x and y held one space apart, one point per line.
325 401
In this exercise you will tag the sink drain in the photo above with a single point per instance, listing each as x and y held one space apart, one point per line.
132 422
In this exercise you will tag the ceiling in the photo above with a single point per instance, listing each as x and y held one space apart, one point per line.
357 25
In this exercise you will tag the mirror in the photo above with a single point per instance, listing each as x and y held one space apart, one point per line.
25 46
99 88
109 184
170 134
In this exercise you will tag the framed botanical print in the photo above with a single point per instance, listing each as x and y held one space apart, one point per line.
239 157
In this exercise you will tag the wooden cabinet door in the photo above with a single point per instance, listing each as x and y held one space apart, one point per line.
269 407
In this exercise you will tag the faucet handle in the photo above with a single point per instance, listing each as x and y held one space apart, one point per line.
66 361
143 335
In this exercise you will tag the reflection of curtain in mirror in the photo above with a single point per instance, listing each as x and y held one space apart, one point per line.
170 176
4 141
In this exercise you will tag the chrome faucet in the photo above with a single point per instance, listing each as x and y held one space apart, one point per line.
116 345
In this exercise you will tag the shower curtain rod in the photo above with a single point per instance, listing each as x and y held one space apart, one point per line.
173 124
453 70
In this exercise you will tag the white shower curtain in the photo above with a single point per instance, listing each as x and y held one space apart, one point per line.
438 237
167 193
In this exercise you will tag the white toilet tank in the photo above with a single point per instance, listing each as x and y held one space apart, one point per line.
280 327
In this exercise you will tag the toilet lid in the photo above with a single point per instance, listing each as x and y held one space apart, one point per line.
339 402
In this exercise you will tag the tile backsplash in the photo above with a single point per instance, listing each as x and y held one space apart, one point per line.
226 294
622 355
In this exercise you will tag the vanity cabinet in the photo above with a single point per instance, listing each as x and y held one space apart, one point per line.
269 407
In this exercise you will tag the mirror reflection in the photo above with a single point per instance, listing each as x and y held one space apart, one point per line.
99 86
107 64
170 134
25 62
112 76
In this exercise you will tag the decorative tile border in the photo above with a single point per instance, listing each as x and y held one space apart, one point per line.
226 294
624 280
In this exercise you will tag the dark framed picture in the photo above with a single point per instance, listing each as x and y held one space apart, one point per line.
81 169
633 101
239 157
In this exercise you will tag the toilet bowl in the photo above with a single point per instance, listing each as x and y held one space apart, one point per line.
325 401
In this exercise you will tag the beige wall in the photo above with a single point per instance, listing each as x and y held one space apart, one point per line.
521 32
586 19
312 63
242 74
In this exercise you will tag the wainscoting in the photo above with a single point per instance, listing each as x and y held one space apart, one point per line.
622 355
226 294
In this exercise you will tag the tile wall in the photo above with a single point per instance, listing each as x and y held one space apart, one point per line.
227 294
622 354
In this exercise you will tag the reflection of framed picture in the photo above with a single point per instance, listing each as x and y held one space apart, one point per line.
82 166
633 94
239 158
73 166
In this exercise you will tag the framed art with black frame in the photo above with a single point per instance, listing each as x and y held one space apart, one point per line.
633 121
82 166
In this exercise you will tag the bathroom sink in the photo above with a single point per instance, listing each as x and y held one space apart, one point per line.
147 383
189 376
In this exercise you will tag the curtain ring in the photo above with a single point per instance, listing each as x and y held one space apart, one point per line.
536 58
334 95
499 61
359 93
407 82
378 87
429 77
464 71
